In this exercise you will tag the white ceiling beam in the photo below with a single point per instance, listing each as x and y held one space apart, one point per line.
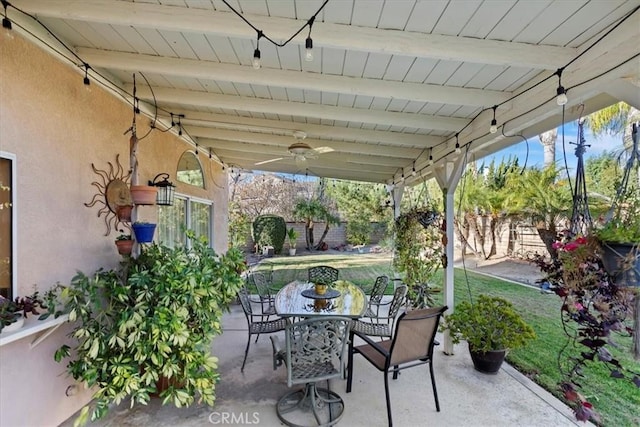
319 111
208 70
266 152
222 121
285 141
336 36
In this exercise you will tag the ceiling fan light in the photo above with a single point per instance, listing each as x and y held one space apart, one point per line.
299 149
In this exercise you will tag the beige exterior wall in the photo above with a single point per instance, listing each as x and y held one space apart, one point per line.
57 128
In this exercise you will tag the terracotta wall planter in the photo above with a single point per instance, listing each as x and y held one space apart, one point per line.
124 213
143 194
124 246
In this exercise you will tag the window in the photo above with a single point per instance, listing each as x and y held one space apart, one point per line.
185 214
7 225
190 170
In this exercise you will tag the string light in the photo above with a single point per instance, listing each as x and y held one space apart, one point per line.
86 80
257 63
458 150
6 22
561 99
431 156
210 155
308 43
413 170
197 154
494 123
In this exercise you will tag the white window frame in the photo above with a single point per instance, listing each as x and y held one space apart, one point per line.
14 220
188 199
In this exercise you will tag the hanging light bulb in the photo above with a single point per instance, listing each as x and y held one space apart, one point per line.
494 123
458 150
308 43
402 177
86 80
431 157
308 55
413 169
6 23
561 93
256 63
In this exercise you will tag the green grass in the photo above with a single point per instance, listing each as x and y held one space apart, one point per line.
617 401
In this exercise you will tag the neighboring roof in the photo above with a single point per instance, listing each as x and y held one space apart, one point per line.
390 80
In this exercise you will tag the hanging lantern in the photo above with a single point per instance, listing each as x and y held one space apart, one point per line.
166 189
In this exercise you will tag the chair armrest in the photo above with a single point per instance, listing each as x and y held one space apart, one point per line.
373 344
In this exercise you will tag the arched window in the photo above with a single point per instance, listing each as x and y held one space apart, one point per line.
190 170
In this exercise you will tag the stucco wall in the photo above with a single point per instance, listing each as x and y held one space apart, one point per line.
56 128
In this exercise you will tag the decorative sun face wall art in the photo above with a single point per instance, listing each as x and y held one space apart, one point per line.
113 195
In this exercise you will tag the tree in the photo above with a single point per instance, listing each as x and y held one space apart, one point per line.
548 141
539 196
309 211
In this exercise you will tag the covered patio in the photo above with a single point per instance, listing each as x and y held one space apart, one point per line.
467 397
391 92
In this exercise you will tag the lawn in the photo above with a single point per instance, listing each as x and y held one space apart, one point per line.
617 401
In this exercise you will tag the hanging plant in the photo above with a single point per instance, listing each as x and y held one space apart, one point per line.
418 252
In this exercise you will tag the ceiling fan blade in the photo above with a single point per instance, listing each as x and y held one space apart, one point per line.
322 150
301 162
268 161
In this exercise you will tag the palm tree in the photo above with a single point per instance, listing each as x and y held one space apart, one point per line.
540 197
548 141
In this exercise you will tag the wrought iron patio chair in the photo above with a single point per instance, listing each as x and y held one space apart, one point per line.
376 295
412 345
315 351
323 272
265 295
255 323
382 325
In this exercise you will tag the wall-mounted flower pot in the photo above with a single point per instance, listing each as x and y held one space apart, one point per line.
124 246
124 213
15 326
144 232
143 194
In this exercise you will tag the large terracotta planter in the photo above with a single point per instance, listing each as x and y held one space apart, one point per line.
143 194
489 362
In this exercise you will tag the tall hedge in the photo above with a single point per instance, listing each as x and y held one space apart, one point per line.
269 230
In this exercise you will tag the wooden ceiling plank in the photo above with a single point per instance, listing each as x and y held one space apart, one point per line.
325 34
163 94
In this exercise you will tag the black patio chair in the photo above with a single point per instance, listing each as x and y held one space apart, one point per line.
412 345
255 323
382 325
323 272
376 295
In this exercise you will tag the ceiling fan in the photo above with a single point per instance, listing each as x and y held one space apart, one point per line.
300 150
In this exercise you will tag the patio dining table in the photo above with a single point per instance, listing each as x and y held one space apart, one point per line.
297 299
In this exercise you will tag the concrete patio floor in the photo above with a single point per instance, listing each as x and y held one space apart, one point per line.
467 397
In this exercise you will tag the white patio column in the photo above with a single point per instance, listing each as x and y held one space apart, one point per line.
448 177
397 192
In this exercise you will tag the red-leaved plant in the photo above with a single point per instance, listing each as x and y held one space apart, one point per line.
596 306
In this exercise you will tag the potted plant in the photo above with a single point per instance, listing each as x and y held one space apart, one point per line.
152 319
143 231
594 310
14 312
620 240
419 252
491 327
124 242
292 237
321 286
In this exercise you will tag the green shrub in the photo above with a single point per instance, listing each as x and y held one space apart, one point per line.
269 230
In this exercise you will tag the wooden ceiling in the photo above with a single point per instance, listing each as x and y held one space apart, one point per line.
391 81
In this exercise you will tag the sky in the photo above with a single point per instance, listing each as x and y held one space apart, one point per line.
597 146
